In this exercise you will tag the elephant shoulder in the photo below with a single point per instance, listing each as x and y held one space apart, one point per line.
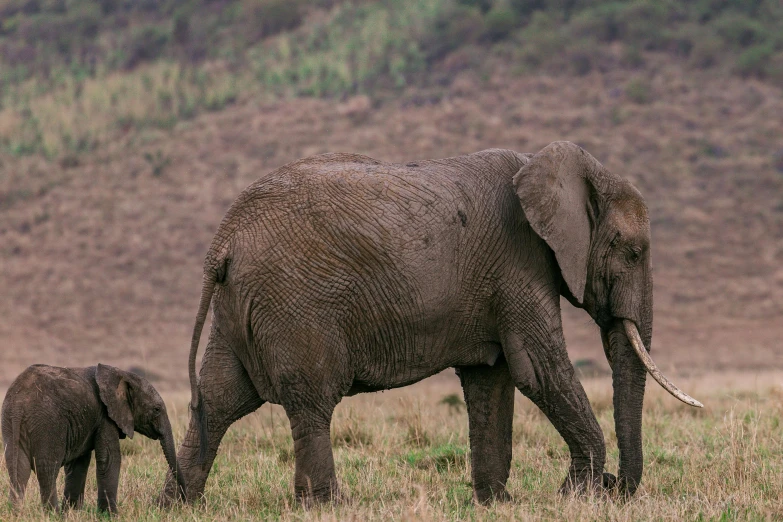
507 158
309 171
331 159
42 379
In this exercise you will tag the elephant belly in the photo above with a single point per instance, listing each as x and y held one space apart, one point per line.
420 366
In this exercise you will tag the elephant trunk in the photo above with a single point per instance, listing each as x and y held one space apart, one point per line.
628 380
170 452
626 342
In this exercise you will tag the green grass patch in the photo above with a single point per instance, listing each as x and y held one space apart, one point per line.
440 458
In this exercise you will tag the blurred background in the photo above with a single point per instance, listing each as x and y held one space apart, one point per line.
127 128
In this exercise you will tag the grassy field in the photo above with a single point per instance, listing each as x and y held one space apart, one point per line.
404 454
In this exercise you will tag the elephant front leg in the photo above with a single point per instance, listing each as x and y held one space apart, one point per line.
108 461
227 395
489 396
543 373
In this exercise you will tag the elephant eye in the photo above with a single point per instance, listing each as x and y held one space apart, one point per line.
634 254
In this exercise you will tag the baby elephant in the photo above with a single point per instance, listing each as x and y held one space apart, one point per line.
54 417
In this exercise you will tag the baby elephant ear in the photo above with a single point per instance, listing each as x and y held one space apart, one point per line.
555 189
115 394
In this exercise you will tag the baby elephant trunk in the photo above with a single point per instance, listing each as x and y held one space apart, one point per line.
169 451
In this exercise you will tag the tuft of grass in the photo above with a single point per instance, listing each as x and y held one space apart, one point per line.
158 162
440 458
351 432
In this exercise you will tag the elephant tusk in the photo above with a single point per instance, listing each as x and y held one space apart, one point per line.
638 346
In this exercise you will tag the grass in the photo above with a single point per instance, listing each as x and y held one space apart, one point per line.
721 463
77 116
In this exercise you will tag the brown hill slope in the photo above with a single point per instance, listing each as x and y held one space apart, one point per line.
101 262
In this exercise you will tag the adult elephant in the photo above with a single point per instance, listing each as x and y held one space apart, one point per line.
339 274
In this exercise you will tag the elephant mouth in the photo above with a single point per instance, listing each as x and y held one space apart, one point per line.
632 332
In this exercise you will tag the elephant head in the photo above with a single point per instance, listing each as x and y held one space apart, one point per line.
134 405
596 224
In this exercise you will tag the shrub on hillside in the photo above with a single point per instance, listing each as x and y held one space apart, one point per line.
740 31
643 23
144 45
483 5
706 10
500 21
706 49
526 8
638 91
754 61
452 28
646 23
541 39
263 18
83 23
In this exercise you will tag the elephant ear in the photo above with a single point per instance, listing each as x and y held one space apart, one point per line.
558 192
115 394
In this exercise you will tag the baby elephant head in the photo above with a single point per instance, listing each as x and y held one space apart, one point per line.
134 405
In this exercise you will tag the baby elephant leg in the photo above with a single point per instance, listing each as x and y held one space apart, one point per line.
75 478
46 473
107 466
18 464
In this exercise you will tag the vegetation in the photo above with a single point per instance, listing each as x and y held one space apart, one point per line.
722 463
75 73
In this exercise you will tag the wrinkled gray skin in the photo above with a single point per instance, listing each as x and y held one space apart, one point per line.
54 417
339 274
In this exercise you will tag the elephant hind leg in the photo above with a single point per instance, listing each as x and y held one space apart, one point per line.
310 389
228 395
75 479
46 473
489 396
314 478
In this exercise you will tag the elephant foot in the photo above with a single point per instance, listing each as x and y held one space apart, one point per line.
486 496
610 486
313 498
609 482
170 494
584 484
166 500
620 487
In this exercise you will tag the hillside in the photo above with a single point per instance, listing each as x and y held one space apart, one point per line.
102 234
102 260
75 74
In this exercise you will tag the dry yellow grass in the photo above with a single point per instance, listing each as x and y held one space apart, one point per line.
403 455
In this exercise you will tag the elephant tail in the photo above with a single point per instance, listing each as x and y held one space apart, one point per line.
214 272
